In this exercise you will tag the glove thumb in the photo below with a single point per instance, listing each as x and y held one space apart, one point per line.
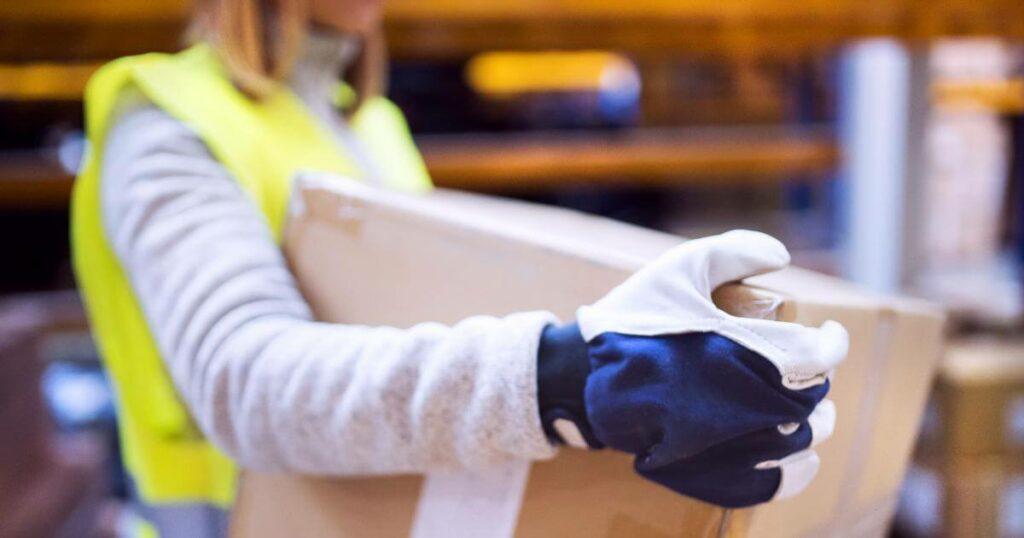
732 256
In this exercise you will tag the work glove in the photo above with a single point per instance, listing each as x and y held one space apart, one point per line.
716 407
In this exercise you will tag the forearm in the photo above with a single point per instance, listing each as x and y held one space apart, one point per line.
332 399
262 379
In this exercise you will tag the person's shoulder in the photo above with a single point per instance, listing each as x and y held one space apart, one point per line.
141 127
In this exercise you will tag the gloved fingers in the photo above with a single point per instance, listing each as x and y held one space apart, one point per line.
798 470
712 261
822 422
763 448
749 469
804 356
730 487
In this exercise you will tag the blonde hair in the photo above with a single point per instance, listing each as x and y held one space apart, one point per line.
259 41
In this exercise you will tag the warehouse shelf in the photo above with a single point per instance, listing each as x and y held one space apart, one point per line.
451 28
537 161
641 156
33 180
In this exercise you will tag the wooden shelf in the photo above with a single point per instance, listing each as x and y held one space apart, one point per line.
532 162
650 157
52 30
1000 96
32 181
45 82
657 28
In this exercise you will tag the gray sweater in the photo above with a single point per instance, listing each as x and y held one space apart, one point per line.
264 381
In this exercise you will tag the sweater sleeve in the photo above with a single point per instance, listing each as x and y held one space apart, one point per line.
264 381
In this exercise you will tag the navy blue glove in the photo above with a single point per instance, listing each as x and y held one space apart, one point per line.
720 408
701 413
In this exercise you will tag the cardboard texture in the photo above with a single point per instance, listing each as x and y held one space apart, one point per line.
981 398
367 256
976 449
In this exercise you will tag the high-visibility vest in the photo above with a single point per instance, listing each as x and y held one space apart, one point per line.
263 144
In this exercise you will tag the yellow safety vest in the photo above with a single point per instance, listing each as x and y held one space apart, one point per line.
263 144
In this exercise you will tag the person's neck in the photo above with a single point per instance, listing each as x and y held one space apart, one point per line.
325 56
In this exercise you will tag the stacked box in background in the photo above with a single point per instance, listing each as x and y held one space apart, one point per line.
969 476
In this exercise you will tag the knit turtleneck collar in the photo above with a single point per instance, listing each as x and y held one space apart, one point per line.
316 73
315 81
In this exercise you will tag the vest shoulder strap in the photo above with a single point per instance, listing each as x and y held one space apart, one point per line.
262 143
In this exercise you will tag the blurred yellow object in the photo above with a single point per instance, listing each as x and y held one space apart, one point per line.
1002 96
45 82
505 74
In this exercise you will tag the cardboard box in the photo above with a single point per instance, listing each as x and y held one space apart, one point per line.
971 460
368 256
980 397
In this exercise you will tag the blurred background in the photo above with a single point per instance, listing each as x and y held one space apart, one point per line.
883 141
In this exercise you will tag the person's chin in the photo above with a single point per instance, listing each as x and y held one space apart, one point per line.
361 26
357 19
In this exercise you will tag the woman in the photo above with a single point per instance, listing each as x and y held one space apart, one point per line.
209 342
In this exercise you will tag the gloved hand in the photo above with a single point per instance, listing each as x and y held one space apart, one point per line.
716 407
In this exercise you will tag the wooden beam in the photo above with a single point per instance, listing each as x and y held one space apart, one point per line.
1000 96
33 180
45 82
525 162
62 29
488 162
